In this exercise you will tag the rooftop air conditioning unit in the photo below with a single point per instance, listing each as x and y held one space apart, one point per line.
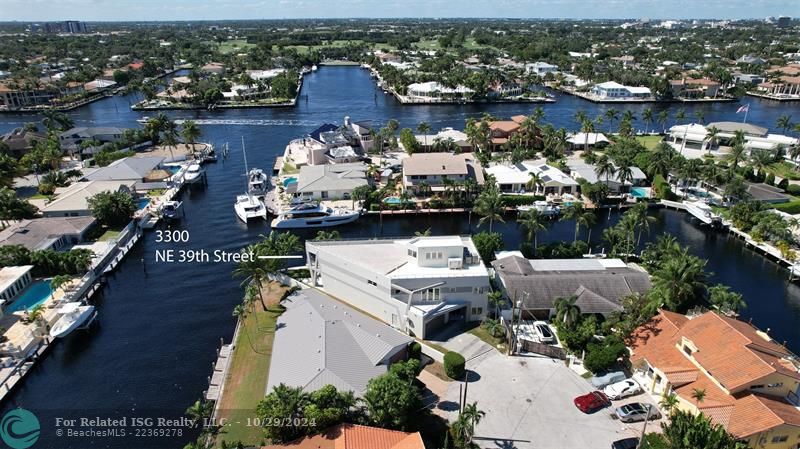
455 263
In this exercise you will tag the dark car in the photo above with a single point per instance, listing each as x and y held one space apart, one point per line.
625 443
592 402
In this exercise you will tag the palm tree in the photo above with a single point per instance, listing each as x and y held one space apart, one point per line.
425 233
669 403
712 135
785 123
587 219
736 155
424 128
700 116
534 182
253 271
489 205
575 212
663 118
200 411
240 312
605 168
58 282
760 160
566 310
532 221
679 281
191 132
647 117
611 115
466 422
698 394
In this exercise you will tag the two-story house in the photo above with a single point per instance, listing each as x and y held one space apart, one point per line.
425 173
417 285
750 384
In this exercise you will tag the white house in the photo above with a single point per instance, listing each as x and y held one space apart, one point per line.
433 91
13 280
581 170
417 285
696 136
513 178
612 89
541 68
72 201
321 182
436 170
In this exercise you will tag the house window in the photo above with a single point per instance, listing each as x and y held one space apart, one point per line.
427 256
477 310
756 387
372 283
323 194
431 294
477 290
687 350
780 438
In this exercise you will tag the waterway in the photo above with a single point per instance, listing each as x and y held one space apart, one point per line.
160 323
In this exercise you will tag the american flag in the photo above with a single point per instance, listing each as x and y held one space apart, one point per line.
744 108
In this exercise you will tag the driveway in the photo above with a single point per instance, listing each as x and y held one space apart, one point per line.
528 403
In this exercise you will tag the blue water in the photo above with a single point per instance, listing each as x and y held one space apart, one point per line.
639 192
289 180
393 200
142 203
35 294
157 339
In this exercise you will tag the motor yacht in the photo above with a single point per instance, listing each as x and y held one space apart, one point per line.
313 215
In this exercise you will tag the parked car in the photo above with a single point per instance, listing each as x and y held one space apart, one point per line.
600 380
620 390
636 411
626 443
592 402
544 332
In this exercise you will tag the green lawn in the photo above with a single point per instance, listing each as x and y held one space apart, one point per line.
427 44
246 382
110 234
305 49
480 332
791 207
784 169
649 142
234 46
40 196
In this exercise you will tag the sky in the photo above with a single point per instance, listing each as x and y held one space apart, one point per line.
138 10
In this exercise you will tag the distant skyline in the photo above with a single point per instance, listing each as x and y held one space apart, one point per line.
147 10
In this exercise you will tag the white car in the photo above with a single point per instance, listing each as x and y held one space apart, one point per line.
619 390
544 332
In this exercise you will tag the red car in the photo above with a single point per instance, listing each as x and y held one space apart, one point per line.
592 402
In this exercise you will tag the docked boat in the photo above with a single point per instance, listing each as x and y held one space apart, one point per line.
73 316
313 215
314 68
248 207
545 208
257 182
143 120
171 210
702 212
193 174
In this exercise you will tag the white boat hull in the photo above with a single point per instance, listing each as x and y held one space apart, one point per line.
71 321
318 222
701 212
244 209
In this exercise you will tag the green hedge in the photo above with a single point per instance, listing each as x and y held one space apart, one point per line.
454 365
793 189
520 200
415 351
792 207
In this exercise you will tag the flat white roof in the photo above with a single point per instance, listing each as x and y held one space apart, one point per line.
9 275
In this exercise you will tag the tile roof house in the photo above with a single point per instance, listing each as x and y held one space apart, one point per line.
320 341
598 284
47 233
19 141
434 168
751 382
352 436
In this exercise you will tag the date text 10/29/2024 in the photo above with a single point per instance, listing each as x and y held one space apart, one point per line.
171 255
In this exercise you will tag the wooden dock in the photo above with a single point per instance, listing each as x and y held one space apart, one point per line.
217 379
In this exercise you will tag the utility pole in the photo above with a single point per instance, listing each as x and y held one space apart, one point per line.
644 427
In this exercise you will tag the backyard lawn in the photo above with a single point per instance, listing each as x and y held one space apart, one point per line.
649 142
784 169
246 382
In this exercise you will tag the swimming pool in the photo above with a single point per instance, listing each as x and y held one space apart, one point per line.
640 192
697 193
289 180
35 294
393 200
141 203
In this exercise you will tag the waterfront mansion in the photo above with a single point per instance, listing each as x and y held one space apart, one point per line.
417 285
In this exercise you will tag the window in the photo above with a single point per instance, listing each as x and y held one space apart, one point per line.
756 387
687 350
323 194
780 438
477 290
775 385
371 283
477 310
427 256
431 294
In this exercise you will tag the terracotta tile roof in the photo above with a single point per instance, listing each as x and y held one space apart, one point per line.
753 414
518 119
351 436
508 126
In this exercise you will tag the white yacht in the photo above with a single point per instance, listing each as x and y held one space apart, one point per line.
193 174
74 315
547 209
257 182
313 215
248 207
702 212
314 68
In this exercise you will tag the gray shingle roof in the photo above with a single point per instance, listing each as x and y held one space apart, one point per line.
599 290
331 177
42 232
129 168
320 341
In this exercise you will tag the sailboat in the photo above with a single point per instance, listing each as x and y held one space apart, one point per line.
248 206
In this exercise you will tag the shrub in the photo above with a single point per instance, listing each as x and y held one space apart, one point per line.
415 350
454 365
520 200
770 179
792 207
793 189
601 357
784 184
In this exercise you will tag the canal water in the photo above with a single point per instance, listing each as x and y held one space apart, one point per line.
161 323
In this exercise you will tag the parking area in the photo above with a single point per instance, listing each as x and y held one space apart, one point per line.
528 403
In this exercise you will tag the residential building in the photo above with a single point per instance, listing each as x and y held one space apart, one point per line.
431 141
748 78
72 201
364 132
580 140
20 141
783 86
54 233
321 182
696 136
432 172
352 436
784 22
214 68
694 88
132 168
15 96
541 68
626 60
321 341
99 85
513 178
614 90
73 138
331 144
751 383
599 285
579 169
417 285
502 130
13 280
751 60
432 91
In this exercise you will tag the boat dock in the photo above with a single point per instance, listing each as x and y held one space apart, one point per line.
217 379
